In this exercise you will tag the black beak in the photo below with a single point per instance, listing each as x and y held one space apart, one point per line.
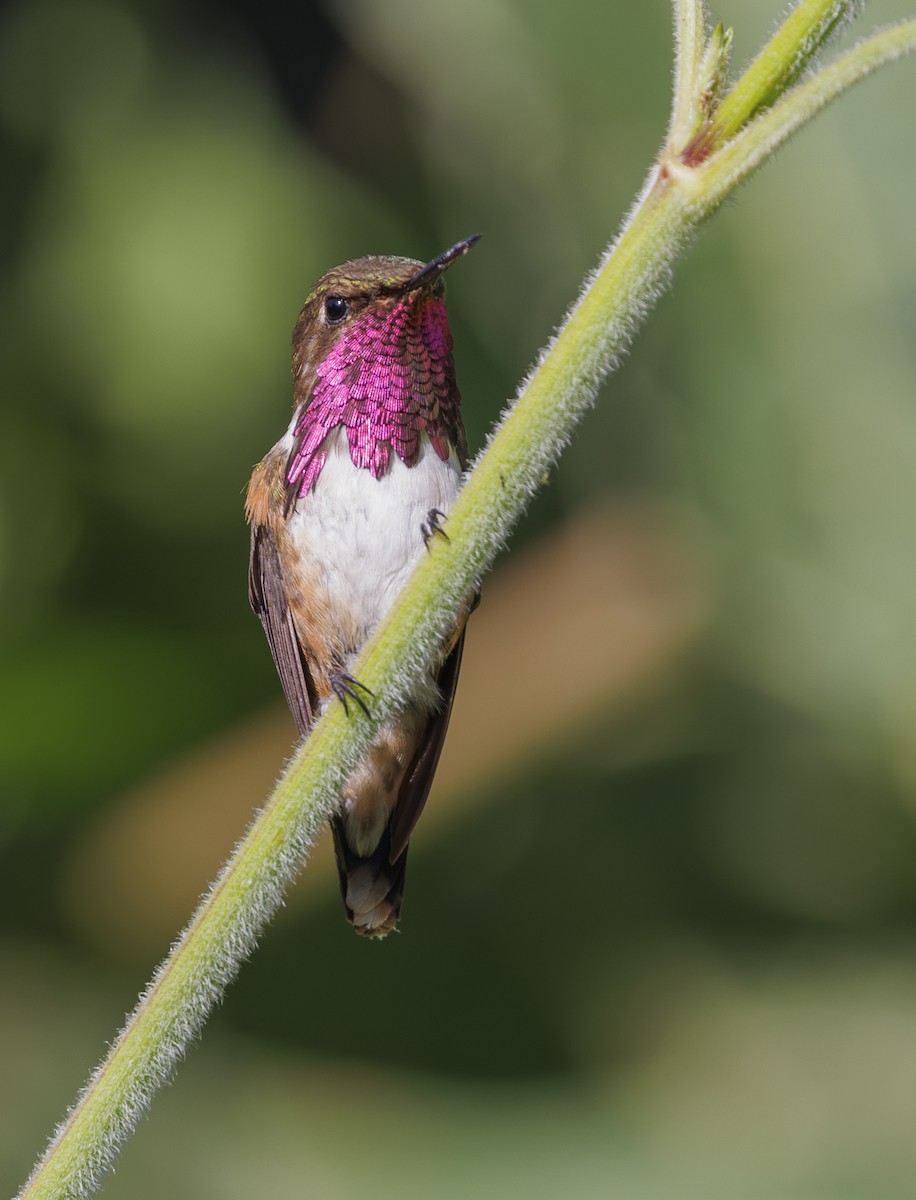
433 269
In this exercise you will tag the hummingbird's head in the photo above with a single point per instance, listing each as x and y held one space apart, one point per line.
375 308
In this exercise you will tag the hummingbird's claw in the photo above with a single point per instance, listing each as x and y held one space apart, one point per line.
431 526
344 685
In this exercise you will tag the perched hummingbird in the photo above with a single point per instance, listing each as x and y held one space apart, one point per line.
340 511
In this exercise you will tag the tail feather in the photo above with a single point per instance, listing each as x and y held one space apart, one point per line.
371 887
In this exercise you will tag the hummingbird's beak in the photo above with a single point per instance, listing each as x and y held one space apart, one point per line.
433 269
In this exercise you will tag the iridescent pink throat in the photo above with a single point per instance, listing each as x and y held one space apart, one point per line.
389 379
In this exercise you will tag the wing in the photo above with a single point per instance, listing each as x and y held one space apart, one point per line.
268 599
419 777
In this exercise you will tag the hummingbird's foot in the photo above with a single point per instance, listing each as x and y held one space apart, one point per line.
431 526
344 685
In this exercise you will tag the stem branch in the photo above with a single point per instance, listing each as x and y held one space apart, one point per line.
690 21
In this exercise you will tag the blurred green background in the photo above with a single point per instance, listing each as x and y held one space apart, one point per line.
661 941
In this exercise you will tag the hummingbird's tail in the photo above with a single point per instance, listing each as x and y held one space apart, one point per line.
371 887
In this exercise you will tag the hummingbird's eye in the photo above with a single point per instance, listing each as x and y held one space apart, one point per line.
335 309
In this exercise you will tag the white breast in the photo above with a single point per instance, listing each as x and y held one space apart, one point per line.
359 537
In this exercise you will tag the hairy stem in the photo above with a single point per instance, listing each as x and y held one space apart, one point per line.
757 142
690 21
782 60
597 331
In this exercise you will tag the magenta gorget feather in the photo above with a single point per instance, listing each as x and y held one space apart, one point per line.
388 380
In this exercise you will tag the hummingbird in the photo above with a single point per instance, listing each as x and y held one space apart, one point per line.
341 509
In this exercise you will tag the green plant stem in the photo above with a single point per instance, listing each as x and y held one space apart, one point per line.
805 30
596 333
757 142
690 21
